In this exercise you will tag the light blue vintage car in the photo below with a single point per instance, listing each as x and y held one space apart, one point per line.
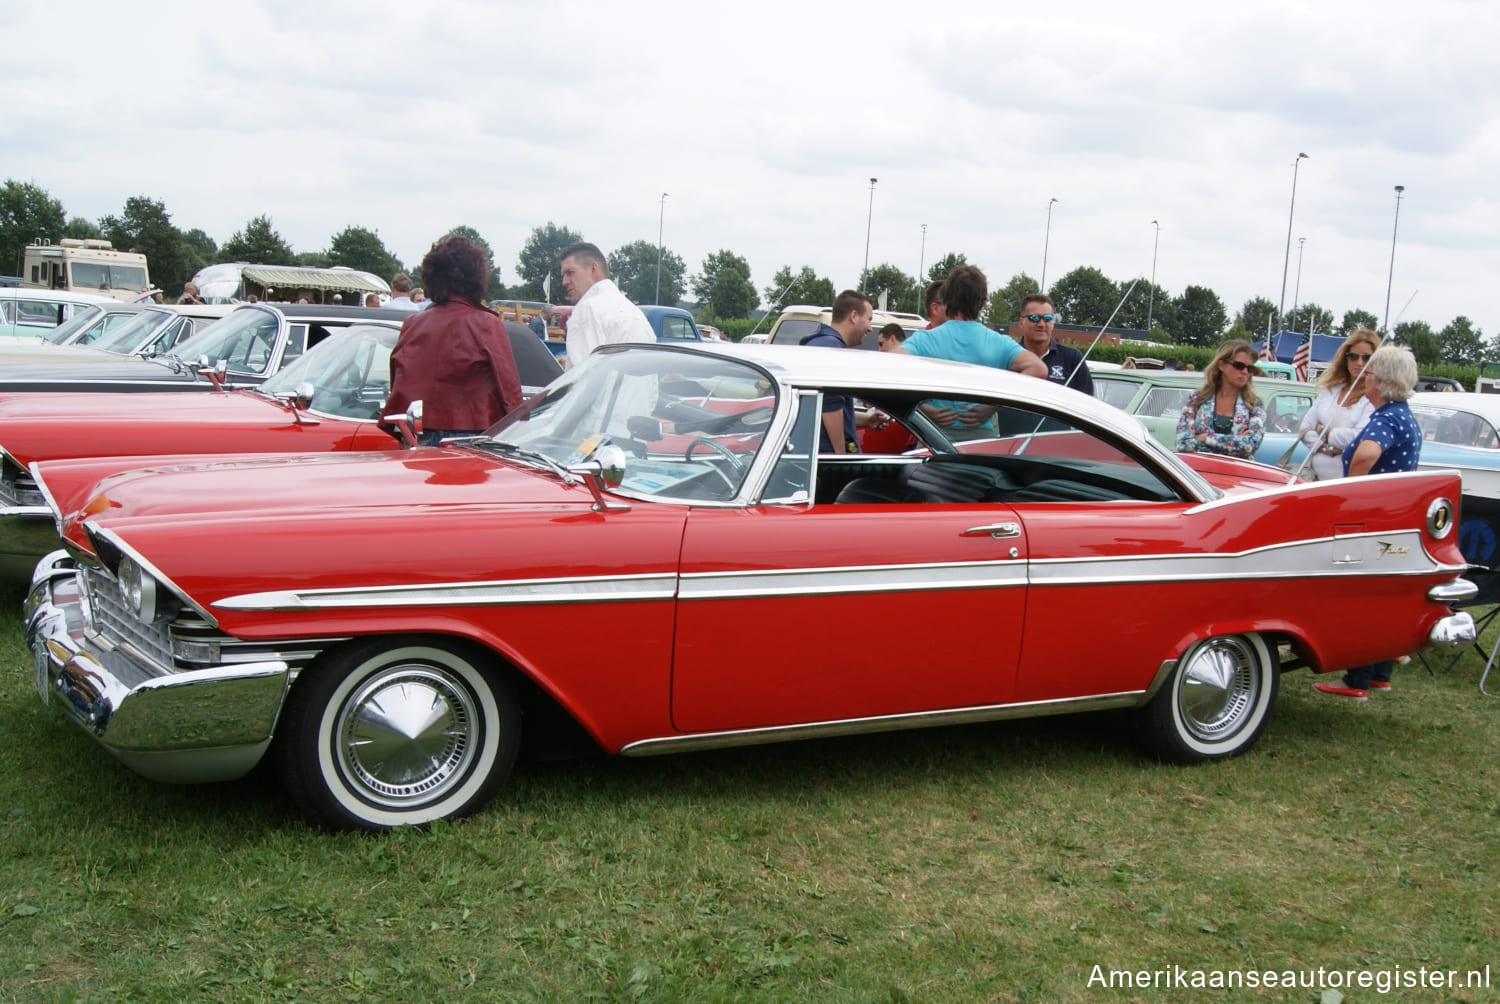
1157 398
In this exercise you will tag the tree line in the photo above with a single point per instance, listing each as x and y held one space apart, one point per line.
722 285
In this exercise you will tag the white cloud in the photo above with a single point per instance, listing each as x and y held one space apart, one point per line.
766 122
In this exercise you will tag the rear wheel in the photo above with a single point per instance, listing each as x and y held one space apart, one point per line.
1216 701
394 732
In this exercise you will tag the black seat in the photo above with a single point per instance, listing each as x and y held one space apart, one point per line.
867 491
958 482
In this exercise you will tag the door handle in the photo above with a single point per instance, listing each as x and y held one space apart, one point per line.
995 530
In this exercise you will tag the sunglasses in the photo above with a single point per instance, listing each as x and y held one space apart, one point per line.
1363 357
1242 367
1039 318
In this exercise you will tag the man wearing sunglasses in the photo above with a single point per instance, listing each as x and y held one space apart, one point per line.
1064 363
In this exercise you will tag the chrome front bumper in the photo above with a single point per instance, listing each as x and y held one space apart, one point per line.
210 724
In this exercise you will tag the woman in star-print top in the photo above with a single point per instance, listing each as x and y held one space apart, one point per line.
1391 440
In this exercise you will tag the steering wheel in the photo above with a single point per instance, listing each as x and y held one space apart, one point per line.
718 448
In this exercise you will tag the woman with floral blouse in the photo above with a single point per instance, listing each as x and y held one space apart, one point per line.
1224 415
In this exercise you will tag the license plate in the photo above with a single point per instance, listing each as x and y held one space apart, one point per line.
40 664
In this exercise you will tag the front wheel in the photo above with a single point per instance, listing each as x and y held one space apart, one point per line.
394 732
1216 702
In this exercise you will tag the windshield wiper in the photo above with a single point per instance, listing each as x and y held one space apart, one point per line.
535 457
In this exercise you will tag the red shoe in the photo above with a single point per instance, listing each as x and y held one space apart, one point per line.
1380 684
1338 689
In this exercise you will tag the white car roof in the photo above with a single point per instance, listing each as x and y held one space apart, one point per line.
1484 405
806 366
52 295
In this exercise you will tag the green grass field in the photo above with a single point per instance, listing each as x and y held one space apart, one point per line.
990 863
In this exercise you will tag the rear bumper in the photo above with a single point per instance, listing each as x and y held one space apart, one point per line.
209 724
1457 629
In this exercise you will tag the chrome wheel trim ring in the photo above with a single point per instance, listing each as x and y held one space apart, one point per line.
406 735
1217 691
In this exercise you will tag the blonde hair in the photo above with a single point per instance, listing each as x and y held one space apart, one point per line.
1213 374
1337 374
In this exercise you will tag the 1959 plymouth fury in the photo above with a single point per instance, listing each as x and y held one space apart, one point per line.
386 626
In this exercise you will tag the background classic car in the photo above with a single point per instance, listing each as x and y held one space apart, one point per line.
1157 398
345 380
610 559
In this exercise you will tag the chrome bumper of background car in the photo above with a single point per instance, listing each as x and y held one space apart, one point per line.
26 533
210 724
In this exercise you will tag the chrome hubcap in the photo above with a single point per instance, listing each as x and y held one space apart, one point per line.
406 734
1218 688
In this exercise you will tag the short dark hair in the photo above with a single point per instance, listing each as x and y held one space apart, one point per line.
1036 298
847 303
965 292
455 267
934 294
895 331
586 252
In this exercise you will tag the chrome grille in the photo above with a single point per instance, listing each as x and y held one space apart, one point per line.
17 487
112 620
188 642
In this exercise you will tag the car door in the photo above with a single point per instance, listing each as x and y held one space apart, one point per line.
801 610
815 613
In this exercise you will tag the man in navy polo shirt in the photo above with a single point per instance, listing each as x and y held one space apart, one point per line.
852 314
1064 363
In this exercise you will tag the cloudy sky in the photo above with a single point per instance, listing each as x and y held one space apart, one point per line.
766 121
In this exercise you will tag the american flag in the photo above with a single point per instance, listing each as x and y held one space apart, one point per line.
1302 357
1268 347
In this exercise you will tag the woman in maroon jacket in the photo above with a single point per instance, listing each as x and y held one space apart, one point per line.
454 356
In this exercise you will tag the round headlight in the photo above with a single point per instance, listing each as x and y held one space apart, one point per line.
138 589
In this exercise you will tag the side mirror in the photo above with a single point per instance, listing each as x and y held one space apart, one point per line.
299 400
408 425
604 470
214 374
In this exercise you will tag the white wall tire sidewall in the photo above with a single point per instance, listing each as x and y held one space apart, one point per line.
332 776
1249 729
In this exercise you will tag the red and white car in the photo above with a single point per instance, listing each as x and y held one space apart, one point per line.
652 554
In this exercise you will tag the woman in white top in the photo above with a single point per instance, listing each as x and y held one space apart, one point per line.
1341 409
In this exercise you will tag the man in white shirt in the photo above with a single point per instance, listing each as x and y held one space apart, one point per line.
601 314
401 293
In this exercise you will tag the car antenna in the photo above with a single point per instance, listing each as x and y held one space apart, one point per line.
774 304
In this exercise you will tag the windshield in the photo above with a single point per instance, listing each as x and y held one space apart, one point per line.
245 339
690 425
65 331
89 275
126 338
350 372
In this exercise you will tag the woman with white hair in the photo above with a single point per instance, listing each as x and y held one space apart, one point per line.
1390 442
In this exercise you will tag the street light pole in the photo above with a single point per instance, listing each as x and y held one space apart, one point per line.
1151 296
1046 242
922 259
1297 289
660 220
1281 306
1392 273
869 218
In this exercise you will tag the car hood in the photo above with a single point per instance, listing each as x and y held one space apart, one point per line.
64 424
366 520
29 352
108 368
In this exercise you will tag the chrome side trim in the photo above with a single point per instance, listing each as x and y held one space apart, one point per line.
882 723
858 579
581 589
1399 554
